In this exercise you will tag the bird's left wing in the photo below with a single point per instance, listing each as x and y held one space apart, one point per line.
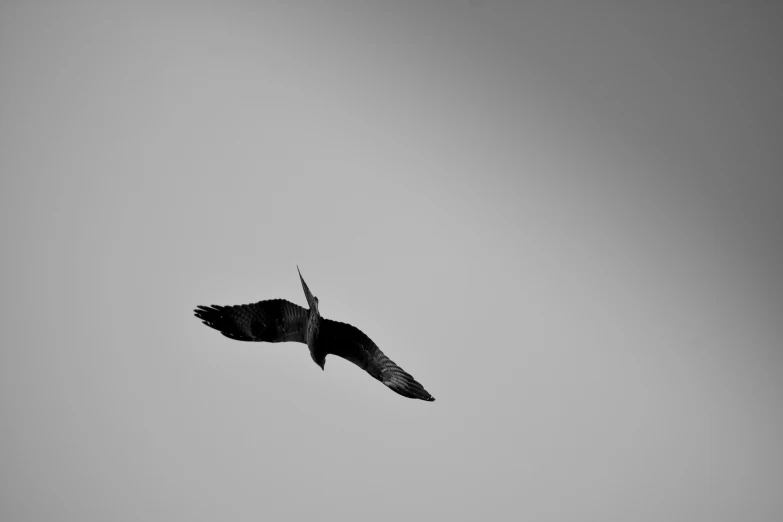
272 321
352 344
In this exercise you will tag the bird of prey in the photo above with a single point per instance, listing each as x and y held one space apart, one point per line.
278 320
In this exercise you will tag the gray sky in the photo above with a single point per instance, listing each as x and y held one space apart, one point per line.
563 220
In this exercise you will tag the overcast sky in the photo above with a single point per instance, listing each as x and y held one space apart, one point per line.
563 218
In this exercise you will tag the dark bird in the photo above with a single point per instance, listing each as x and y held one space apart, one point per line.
278 320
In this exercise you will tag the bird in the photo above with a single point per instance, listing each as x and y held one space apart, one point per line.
278 320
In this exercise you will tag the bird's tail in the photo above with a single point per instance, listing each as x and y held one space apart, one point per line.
311 300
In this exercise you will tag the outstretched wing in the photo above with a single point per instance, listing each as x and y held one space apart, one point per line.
352 344
273 321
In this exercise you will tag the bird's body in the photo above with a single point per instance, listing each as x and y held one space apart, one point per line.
312 330
278 320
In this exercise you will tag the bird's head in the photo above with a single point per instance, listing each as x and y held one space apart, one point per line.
319 360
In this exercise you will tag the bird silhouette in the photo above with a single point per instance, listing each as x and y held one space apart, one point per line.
278 320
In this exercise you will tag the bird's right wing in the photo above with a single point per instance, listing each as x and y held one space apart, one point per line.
273 321
352 344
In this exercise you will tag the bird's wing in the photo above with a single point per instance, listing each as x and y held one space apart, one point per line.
273 321
352 344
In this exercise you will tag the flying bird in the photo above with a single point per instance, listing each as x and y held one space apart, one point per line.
278 320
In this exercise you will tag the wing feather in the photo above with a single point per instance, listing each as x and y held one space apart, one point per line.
352 344
272 321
